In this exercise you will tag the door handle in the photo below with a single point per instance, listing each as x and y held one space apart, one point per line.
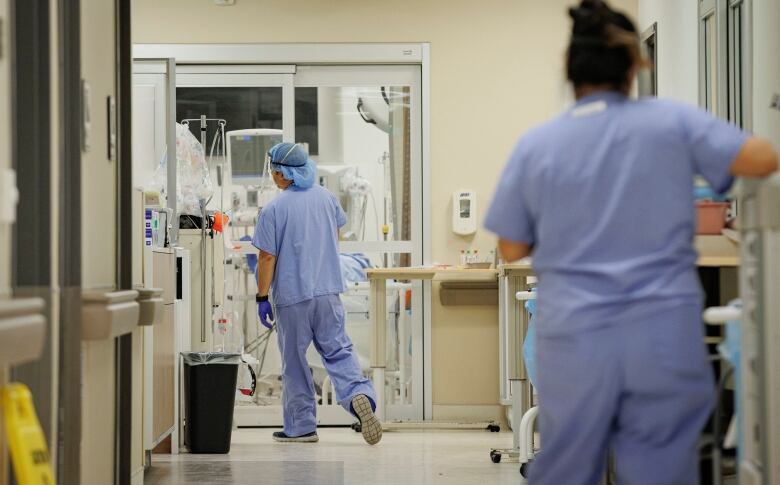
108 314
22 330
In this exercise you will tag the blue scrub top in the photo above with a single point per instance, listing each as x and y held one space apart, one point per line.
300 227
604 194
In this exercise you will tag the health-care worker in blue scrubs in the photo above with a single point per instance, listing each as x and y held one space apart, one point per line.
602 198
297 234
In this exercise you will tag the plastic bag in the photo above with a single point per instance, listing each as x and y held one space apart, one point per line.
193 182
529 345
247 377
228 336
208 358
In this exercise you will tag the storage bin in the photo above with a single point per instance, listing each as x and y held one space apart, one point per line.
711 217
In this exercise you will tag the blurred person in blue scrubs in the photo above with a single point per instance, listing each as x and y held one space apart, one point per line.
297 234
602 198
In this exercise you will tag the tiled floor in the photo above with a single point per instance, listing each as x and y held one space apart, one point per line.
341 457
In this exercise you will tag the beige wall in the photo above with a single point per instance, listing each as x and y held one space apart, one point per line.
98 413
98 176
496 70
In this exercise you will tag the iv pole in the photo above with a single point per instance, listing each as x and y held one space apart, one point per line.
203 120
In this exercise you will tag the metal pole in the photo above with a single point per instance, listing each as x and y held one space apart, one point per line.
204 304
170 140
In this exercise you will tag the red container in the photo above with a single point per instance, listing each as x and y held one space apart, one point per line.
711 217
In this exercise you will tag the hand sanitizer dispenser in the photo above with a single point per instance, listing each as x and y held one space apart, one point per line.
464 212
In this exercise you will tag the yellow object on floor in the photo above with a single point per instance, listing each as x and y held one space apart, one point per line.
29 453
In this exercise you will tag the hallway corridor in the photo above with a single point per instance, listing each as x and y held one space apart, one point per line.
341 457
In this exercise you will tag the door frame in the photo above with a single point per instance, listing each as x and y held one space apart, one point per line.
268 55
162 74
69 267
34 243
125 241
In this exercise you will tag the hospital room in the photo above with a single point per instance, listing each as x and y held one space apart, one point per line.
434 242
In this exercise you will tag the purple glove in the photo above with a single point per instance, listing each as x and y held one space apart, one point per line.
266 314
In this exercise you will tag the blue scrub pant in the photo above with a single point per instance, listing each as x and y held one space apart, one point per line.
321 321
643 389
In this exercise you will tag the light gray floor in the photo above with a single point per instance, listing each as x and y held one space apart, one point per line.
341 457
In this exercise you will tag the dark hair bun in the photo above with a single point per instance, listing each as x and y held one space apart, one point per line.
604 45
591 18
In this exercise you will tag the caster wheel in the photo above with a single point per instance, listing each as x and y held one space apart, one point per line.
357 427
524 470
495 457
494 428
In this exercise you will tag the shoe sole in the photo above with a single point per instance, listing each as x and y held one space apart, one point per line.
370 425
310 439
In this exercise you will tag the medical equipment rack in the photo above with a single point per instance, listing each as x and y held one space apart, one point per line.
516 390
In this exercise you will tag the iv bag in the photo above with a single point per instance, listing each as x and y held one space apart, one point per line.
193 182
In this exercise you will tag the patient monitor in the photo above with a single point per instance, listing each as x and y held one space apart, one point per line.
246 153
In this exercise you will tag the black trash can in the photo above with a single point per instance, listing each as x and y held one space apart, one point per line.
209 397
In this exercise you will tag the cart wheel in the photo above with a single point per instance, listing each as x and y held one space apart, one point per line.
494 428
495 456
357 427
524 470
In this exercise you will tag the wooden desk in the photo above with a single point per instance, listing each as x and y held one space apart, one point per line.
378 310
717 252
718 261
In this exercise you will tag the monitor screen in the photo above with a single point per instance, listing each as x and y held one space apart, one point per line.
247 154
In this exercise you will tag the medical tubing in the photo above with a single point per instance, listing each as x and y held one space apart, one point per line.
383 90
265 351
270 330
362 113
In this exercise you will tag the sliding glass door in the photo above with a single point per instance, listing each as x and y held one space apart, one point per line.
362 125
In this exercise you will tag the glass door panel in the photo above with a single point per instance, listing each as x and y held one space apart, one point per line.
363 128
359 137
241 107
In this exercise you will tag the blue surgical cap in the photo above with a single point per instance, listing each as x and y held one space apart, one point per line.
292 161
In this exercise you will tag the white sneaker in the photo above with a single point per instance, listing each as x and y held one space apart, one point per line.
370 425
